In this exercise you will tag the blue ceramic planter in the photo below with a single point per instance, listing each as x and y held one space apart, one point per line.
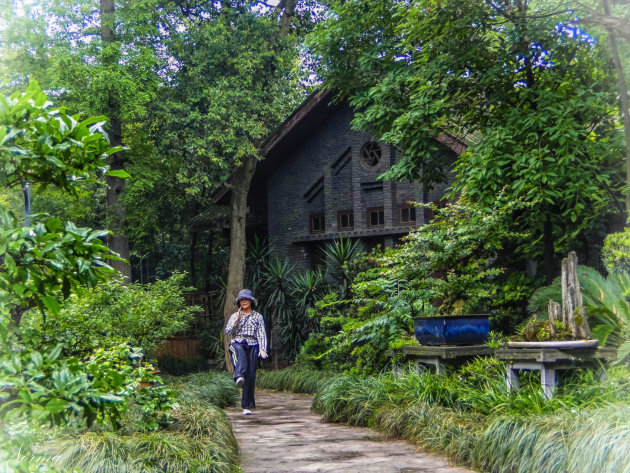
452 330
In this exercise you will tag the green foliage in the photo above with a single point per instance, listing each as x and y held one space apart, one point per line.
143 390
43 388
298 378
450 259
606 302
339 256
520 83
108 452
198 437
616 251
205 388
47 146
329 348
589 440
142 315
46 262
42 264
469 416
445 267
286 298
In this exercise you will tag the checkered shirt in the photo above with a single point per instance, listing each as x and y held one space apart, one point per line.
250 328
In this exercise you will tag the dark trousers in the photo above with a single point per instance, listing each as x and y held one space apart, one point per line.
244 358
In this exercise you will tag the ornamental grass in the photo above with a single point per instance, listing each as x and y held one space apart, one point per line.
198 440
469 416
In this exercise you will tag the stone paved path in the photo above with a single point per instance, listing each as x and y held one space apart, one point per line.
284 436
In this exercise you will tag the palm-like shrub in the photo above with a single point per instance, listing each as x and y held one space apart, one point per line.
338 254
258 252
288 297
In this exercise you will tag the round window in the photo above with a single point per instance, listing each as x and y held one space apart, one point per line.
370 154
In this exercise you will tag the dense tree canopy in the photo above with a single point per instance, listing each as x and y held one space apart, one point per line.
532 93
194 88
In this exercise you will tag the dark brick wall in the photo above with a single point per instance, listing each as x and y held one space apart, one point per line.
325 175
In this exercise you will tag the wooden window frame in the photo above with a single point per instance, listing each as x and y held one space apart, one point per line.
412 214
371 155
381 212
312 219
350 215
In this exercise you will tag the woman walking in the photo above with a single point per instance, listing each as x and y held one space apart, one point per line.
249 341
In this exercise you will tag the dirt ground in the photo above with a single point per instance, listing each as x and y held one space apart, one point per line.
284 436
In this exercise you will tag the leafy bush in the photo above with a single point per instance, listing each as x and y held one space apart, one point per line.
44 262
446 266
198 438
616 251
141 315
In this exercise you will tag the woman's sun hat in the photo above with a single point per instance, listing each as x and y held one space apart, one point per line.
245 294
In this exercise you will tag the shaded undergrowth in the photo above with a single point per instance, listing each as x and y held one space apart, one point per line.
469 415
199 439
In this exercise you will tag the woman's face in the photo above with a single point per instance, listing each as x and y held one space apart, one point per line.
246 304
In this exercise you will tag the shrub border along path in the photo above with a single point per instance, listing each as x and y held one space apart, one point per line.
284 436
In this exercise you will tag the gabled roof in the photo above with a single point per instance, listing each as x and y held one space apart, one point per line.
314 111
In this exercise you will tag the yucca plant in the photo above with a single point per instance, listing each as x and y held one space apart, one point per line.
280 308
338 254
258 252
308 288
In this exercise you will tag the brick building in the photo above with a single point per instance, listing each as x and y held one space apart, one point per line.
319 181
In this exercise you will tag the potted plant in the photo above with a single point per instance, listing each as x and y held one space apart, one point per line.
470 329
450 263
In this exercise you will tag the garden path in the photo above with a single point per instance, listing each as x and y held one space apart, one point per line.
284 436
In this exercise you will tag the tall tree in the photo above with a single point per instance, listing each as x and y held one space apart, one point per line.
117 241
95 56
235 80
533 91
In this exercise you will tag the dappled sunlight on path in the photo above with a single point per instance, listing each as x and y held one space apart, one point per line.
284 436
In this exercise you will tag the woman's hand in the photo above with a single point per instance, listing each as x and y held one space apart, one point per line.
262 354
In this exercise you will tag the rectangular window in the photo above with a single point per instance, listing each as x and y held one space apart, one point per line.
317 223
345 220
375 217
406 215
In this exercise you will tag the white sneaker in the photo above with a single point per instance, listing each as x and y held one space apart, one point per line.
240 380
247 412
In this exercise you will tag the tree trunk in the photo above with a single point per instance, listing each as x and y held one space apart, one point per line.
193 250
548 250
208 265
238 204
236 269
116 212
623 99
